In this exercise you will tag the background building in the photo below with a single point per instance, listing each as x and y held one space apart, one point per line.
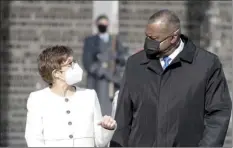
27 27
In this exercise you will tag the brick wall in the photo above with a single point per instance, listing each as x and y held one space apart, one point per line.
27 27
207 23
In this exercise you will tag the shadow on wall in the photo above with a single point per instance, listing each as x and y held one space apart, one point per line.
4 69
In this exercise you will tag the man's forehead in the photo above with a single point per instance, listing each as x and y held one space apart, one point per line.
103 21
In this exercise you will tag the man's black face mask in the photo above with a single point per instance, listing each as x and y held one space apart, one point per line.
151 46
102 28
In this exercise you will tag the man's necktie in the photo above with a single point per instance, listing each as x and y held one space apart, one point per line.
166 62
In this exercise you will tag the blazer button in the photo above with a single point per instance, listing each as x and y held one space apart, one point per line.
71 136
68 112
66 99
69 123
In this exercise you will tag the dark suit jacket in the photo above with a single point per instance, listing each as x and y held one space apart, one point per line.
187 104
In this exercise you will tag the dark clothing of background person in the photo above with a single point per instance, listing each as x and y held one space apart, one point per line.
186 105
96 54
104 60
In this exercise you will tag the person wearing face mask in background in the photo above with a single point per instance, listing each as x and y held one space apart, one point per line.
104 60
173 93
62 114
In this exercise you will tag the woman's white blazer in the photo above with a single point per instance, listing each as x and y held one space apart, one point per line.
55 121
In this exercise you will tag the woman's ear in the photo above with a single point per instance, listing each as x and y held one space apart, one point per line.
55 74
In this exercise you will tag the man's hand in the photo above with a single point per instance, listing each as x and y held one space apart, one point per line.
108 123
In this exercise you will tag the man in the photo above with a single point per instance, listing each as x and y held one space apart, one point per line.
114 101
103 59
173 94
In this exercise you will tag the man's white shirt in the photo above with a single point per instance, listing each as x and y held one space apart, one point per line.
174 54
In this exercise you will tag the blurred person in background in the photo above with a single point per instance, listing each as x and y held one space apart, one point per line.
64 115
173 94
104 59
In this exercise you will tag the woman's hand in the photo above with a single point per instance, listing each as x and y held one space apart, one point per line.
108 123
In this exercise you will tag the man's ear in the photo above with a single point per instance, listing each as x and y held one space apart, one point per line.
175 36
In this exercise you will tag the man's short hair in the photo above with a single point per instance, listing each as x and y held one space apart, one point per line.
100 17
169 17
51 59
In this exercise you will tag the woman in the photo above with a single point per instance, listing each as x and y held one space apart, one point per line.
63 115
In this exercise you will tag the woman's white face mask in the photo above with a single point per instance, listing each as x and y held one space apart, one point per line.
73 74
